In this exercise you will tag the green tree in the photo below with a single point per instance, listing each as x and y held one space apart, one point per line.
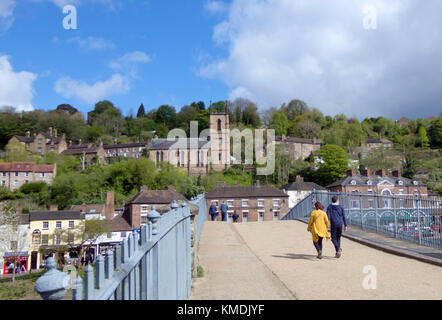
333 164
15 151
435 133
141 113
423 140
279 123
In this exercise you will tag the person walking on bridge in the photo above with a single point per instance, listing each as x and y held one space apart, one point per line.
224 209
336 215
213 211
318 226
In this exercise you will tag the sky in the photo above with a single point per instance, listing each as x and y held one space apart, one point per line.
361 58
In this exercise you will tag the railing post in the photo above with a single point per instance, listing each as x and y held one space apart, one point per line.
117 256
77 291
109 266
99 280
376 213
419 221
395 218
154 217
89 282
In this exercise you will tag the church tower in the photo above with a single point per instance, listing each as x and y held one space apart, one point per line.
219 139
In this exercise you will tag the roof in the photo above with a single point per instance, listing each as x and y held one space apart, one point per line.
298 140
375 179
26 167
90 208
55 215
31 139
301 185
118 223
80 150
156 197
180 143
386 141
126 145
24 218
245 192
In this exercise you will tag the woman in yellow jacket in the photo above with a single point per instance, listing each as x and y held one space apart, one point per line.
318 226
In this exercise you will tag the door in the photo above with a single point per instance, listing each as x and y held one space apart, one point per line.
229 216
276 216
34 255
260 215
245 216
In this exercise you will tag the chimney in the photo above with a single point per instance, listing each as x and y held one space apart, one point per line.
299 179
381 173
19 209
50 131
366 173
396 173
53 207
28 134
351 173
55 133
110 205
171 188
144 188
220 184
115 141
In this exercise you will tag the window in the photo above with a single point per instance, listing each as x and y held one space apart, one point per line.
415 183
276 202
144 219
58 225
27 174
13 246
36 237
39 150
260 203
145 208
44 239
15 183
219 124
353 182
71 224
40 141
45 225
16 174
4 183
219 156
57 240
245 203
230 203
4 174
42 175
400 182
369 182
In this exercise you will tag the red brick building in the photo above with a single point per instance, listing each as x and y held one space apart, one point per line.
15 174
251 203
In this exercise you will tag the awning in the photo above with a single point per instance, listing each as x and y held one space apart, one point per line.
15 254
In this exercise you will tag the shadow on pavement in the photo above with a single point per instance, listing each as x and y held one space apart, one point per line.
302 256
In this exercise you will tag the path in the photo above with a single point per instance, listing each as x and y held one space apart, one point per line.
277 260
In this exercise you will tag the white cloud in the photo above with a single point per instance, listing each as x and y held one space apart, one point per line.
320 52
215 6
92 43
16 88
6 8
91 93
129 63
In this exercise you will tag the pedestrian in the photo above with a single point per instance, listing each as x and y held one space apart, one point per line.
318 226
224 209
213 211
336 215
235 216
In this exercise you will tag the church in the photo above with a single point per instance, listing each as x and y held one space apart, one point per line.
197 155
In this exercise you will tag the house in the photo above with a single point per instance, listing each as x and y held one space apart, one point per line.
91 153
102 211
371 144
45 238
15 174
136 210
127 150
42 143
379 183
299 190
252 203
402 121
197 155
14 246
298 148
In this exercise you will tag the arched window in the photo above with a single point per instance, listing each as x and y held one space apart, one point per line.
219 124
158 156
162 156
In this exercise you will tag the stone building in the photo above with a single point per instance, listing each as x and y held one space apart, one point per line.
379 183
42 143
90 152
197 155
298 148
251 203
15 174
371 144
299 190
136 210
127 150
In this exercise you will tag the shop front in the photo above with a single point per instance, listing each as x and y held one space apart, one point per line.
20 259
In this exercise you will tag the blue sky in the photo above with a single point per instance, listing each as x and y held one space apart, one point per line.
360 57
174 35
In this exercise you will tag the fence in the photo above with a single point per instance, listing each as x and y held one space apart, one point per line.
412 219
202 216
155 263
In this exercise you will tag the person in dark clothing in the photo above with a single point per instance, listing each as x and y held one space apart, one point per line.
213 211
336 216
224 209
235 216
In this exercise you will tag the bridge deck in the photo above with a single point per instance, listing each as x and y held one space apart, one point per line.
277 260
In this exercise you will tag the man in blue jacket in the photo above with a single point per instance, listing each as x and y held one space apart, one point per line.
336 216
213 211
224 209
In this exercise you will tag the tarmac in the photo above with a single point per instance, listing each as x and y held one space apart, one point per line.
276 260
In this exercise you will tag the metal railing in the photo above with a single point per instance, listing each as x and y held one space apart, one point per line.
413 219
155 263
